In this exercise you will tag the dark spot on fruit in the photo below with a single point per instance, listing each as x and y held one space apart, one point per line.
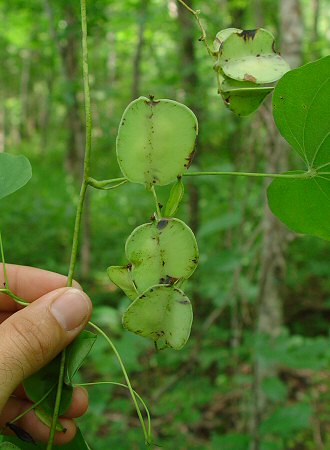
247 34
248 77
162 224
168 280
183 302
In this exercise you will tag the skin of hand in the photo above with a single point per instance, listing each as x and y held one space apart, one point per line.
30 337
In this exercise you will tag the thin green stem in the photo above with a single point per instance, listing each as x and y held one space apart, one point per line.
158 211
249 174
203 38
107 184
102 333
76 233
33 406
14 296
4 263
84 185
57 402
97 383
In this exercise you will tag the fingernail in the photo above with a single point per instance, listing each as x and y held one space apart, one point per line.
71 309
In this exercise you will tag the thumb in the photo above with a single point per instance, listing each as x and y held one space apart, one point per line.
33 336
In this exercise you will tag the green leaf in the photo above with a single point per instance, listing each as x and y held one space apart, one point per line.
40 383
302 115
9 446
161 252
250 56
302 204
162 313
15 172
287 420
76 353
156 141
121 277
175 198
78 443
243 97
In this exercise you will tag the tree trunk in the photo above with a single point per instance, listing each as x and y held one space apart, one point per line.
275 235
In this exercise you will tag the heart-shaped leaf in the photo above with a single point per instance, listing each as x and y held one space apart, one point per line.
76 353
121 277
242 97
156 141
302 115
162 313
249 55
37 385
15 172
161 252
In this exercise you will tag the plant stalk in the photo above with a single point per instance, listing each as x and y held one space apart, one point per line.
77 226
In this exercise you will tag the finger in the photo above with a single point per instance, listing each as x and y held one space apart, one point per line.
32 424
32 337
29 283
79 403
78 406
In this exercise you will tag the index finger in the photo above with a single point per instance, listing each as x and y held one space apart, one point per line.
29 283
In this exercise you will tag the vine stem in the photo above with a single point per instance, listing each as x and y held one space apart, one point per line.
158 211
33 406
251 174
203 38
15 297
77 225
129 386
114 383
238 174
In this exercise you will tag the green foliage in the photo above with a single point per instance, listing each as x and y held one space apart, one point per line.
39 384
77 352
15 172
156 140
8 446
77 443
301 112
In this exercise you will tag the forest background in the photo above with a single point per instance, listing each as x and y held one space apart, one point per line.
255 372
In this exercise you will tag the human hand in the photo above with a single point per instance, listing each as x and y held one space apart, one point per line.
30 337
